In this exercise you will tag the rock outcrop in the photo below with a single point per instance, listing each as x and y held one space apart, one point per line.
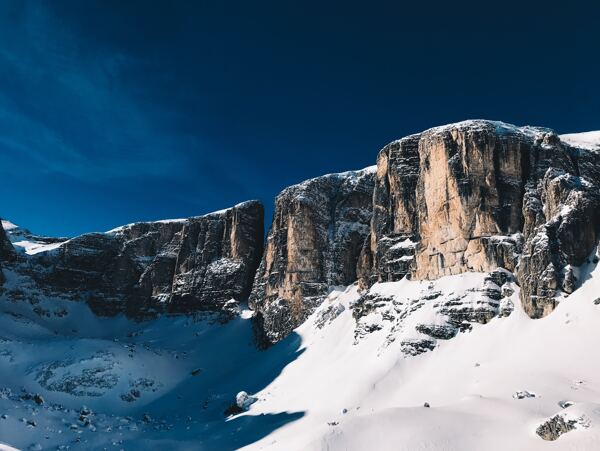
218 257
479 195
7 252
560 424
517 203
416 315
205 263
318 230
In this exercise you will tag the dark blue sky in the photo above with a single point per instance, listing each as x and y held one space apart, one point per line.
118 111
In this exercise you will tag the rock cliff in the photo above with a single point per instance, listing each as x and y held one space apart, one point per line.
519 204
7 252
205 263
318 230
479 195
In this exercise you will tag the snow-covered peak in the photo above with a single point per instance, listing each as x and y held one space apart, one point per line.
180 220
225 210
352 177
499 127
36 247
25 242
132 224
584 140
7 225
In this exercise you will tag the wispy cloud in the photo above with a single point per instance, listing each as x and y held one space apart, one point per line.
63 108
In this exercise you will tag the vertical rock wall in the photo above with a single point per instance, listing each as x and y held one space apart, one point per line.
479 195
218 257
318 230
471 196
205 263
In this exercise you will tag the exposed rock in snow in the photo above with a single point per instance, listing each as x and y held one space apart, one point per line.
243 400
417 314
524 394
565 404
7 251
560 424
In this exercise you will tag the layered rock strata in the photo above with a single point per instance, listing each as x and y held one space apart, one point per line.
204 263
318 231
479 195
473 196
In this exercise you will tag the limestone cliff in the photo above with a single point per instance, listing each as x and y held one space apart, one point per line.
318 230
474 196
479 195
204 263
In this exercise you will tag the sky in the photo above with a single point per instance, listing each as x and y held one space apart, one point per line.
119 111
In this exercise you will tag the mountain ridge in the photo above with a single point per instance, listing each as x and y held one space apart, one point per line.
445 298
398 242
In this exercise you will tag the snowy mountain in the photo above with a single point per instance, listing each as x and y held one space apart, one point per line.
445 299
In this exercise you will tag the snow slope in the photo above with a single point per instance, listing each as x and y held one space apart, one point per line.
24 241
358 397
157 384
585 140
166 383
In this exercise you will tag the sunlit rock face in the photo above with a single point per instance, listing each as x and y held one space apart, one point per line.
318 230
479 195
204 263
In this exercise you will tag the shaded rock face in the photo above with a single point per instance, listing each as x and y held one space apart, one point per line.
7 252
318 231
205 263
479 195
218 258
561 223
389 251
